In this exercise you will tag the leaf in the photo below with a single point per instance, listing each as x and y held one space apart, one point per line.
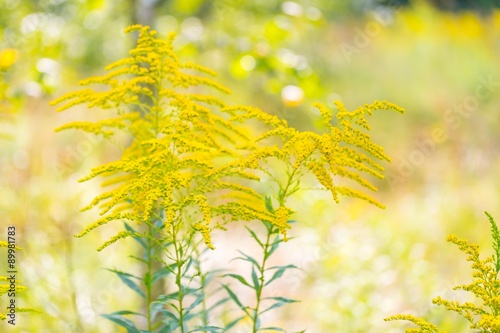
234 298
170 314
126 312
271 329
239 278
255 279
248 258
195 303
137 238
269 204
157 307
169 327
188 291
126 278
159 223
122 321
233 323
279 272
254 236
495 234
162 272
213 329
274 246
257 323
189 263
164 298
281 301
139 259
165 329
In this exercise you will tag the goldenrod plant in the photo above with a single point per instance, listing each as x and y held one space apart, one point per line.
10 288
483 315
192 167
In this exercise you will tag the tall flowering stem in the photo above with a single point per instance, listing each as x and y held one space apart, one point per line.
191 166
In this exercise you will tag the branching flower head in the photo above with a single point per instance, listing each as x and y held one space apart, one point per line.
483 315
181 144
191 151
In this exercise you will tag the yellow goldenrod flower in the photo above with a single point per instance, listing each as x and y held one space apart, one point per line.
186 156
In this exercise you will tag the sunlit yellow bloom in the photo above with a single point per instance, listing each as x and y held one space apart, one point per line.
187 158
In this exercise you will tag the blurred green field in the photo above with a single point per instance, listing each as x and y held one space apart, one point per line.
360 264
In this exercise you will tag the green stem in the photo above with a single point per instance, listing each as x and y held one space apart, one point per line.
148 273
261 278
178 277
69 271
203 284
270 231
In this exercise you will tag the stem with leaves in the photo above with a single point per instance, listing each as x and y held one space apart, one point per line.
260 272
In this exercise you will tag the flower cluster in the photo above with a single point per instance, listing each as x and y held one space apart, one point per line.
484 316
192 153
5 287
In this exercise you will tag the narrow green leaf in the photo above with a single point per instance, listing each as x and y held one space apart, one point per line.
254 236
162 272
257 323
212 329
271 329
239 278
157 307
269 204
169 327
188 291
233 323
139 259
126 312
281 301
248 258
127 279
280 270
189 263
159 223
274 246
235 298
195 303
170 315
165 329
255 279
137 238
123 322
164 298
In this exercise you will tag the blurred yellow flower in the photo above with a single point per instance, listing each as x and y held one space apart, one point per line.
8 57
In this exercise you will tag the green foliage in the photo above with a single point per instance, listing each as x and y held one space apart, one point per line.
261 276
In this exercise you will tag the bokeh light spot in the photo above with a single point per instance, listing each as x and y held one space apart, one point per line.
247 62
292 95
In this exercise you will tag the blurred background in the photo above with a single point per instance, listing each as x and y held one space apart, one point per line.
440 60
